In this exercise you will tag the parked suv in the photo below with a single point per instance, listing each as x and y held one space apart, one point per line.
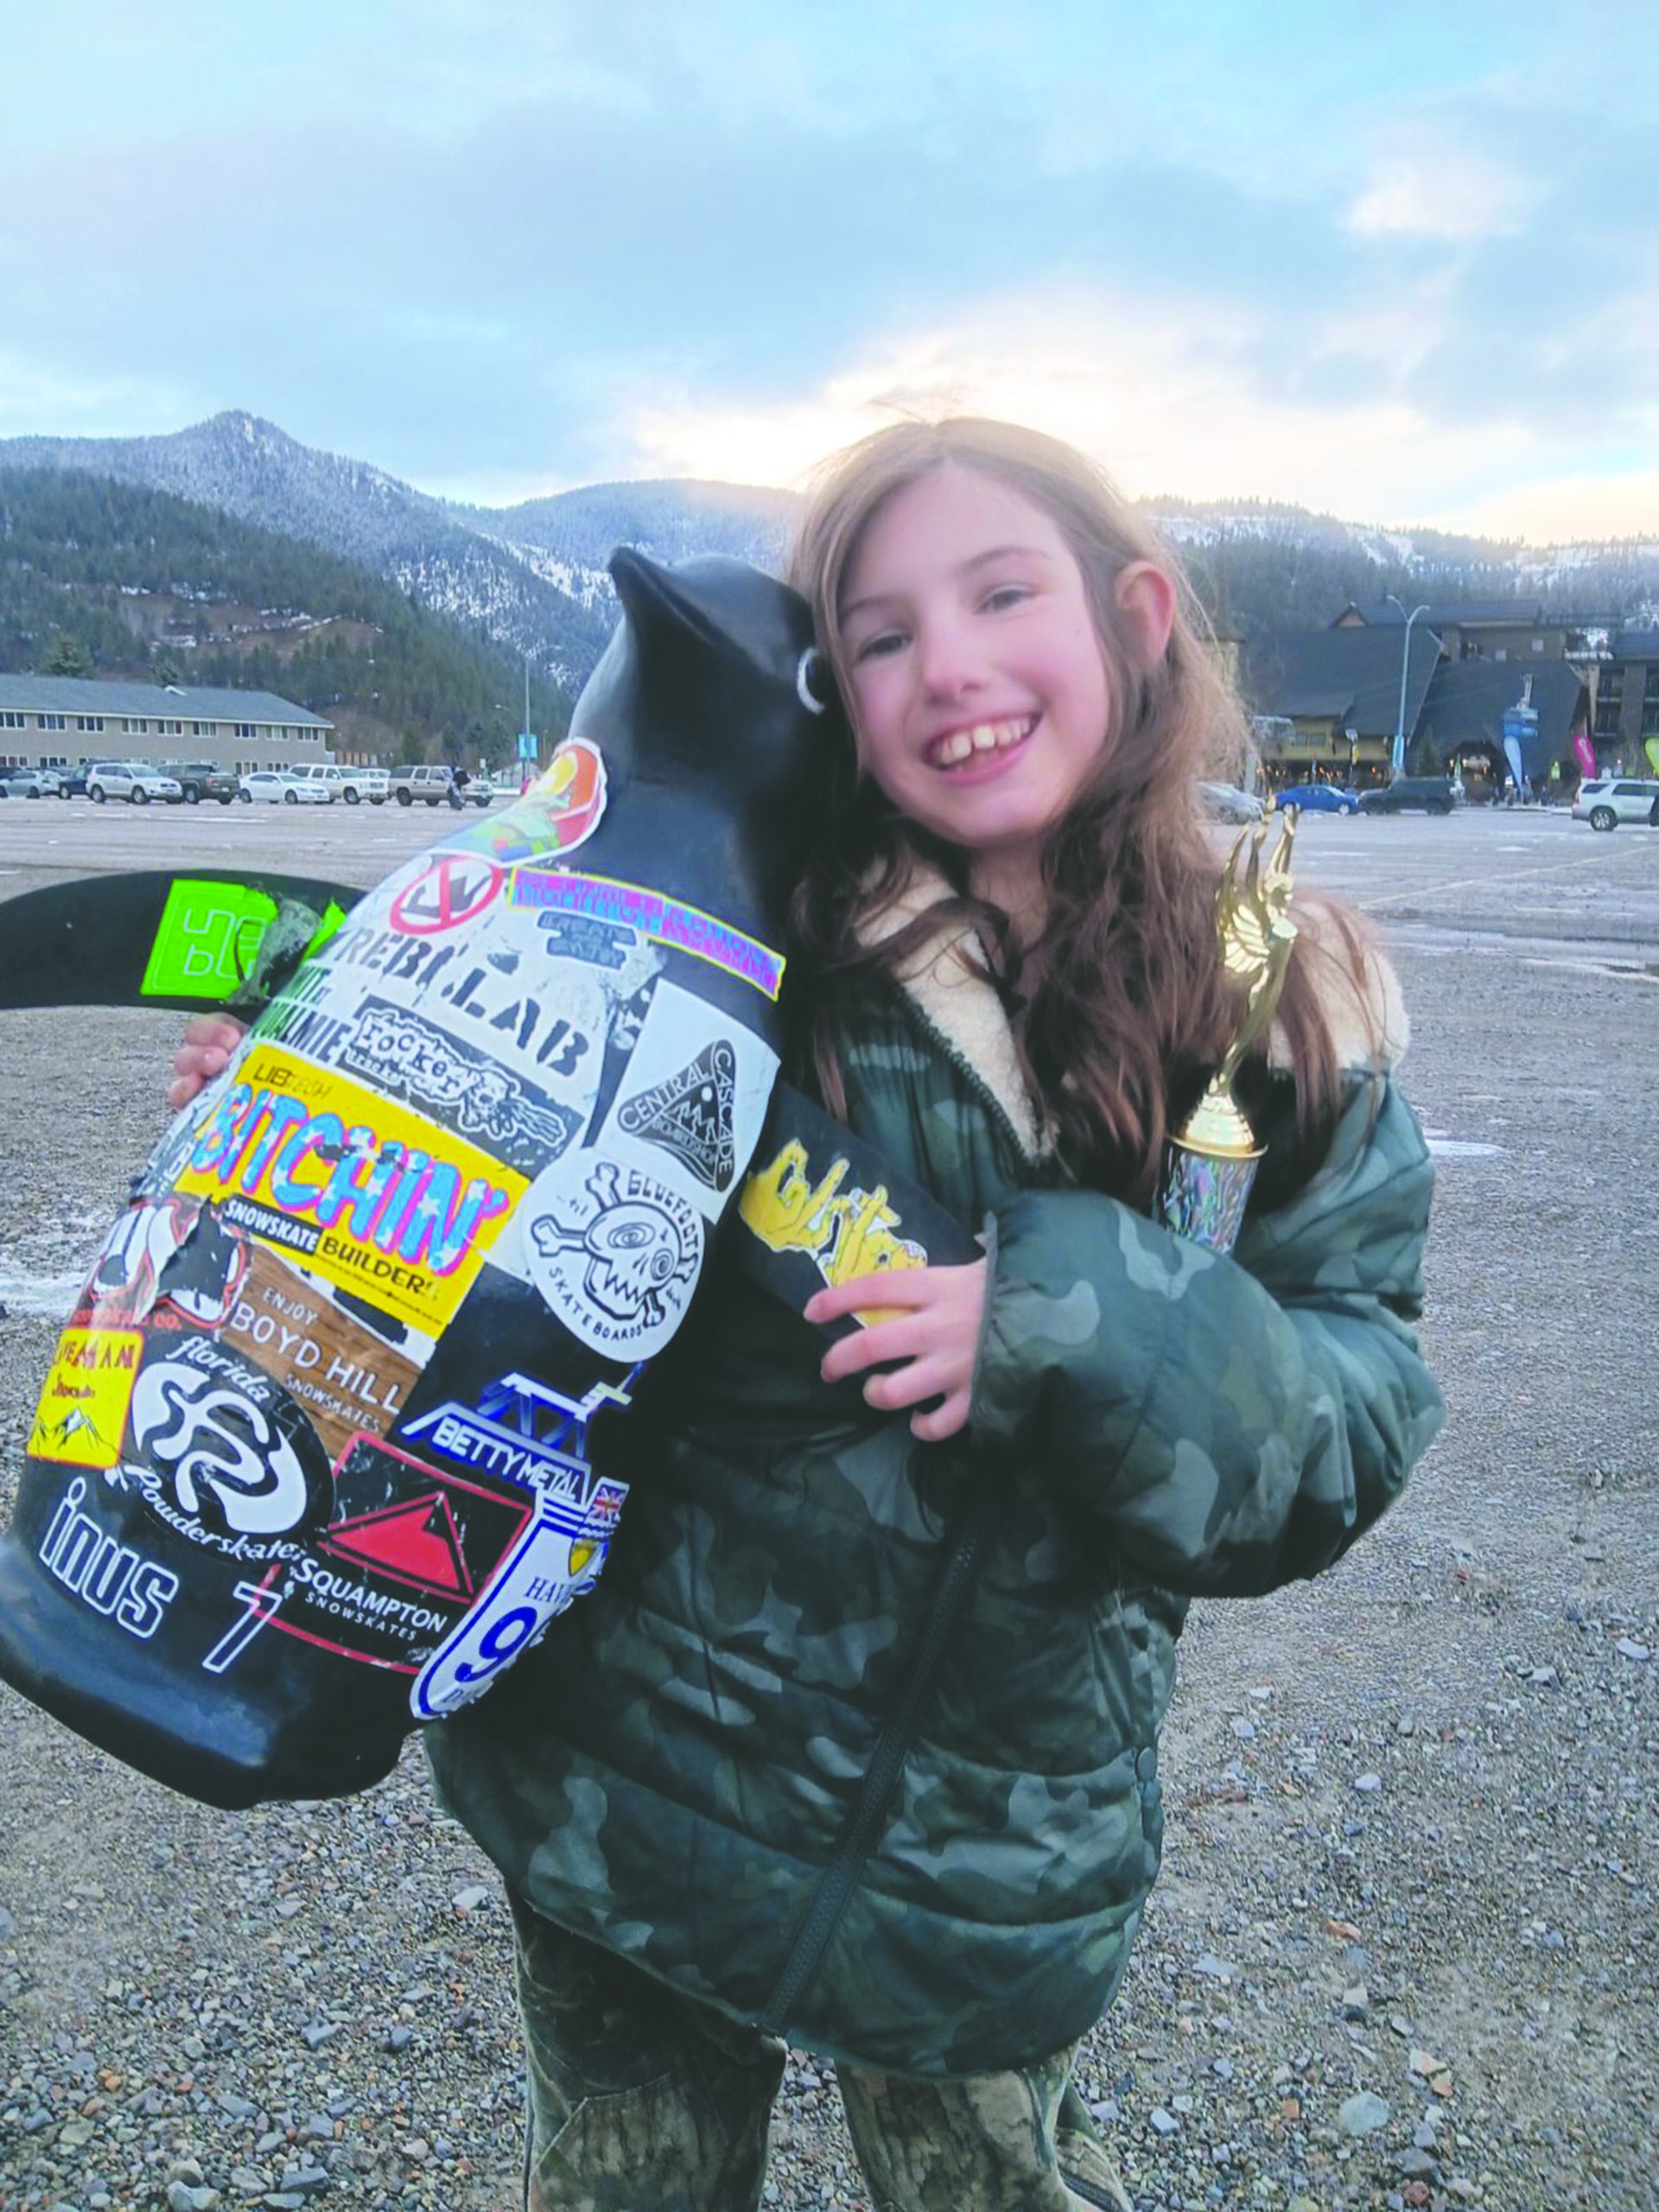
200 779
436 784
133 780
1606 801
352 785
1432 794
26 783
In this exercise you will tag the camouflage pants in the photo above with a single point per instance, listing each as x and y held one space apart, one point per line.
642 2100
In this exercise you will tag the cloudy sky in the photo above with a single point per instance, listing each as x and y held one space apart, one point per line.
1392 262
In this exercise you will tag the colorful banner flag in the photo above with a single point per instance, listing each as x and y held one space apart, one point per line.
1585 751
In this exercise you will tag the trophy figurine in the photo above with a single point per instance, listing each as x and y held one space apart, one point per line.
1211 1163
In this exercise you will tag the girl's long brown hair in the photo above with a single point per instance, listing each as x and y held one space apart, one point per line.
1127 1012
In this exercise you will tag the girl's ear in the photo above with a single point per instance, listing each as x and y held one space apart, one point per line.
1146 601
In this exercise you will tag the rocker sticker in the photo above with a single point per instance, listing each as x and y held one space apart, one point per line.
613 1251
402 1054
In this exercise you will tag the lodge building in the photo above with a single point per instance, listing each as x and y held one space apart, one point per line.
60 722
1327 702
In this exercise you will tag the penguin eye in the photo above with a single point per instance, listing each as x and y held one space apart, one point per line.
809 667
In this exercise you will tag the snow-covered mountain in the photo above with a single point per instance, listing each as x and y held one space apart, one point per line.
533 577
252 470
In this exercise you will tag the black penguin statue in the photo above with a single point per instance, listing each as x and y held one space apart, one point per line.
311 1464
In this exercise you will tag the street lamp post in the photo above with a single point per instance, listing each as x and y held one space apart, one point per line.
1405 665
525 766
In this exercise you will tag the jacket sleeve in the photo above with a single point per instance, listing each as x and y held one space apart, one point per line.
1234 1422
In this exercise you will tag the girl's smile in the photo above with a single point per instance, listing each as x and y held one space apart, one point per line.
963 749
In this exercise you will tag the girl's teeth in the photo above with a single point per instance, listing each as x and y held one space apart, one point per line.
984 737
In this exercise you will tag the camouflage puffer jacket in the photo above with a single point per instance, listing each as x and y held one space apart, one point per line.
717 1764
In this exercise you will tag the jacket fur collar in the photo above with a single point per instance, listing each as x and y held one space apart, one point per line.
949 979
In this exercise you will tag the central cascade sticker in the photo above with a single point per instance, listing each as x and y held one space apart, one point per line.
613 1251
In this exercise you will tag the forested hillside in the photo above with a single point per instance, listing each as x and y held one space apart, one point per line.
114 579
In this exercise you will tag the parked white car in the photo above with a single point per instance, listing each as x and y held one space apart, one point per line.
133 780
283 787
1606 801
28 783
352 785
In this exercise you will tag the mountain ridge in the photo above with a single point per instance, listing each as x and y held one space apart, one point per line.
532 574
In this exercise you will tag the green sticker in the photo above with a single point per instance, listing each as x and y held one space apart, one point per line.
208 940
333 915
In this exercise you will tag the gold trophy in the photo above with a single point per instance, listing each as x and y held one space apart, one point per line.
1210 1165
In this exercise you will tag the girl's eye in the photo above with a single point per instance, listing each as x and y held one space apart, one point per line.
877 648
1005 595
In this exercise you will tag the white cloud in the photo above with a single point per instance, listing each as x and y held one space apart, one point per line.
1166 394
1431 190
35 397
1558 510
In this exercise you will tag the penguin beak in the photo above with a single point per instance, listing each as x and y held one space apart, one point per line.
653 597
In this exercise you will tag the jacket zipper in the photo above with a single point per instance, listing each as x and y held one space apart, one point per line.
857 1838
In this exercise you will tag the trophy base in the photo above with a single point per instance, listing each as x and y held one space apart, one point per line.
1205 1194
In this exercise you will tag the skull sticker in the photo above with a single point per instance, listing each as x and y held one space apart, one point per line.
615 1253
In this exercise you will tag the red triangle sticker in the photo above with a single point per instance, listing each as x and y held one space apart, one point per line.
416 1542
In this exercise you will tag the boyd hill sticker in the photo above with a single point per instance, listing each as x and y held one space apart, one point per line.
346 1378
613 1251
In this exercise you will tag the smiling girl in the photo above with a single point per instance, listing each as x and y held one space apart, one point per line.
855 1746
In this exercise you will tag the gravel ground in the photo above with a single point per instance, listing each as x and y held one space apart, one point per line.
1404 1952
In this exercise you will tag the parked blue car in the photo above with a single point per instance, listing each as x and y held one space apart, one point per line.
1318 798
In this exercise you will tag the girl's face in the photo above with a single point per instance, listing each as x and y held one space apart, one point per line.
981 690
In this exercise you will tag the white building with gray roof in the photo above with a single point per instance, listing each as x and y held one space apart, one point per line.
51 721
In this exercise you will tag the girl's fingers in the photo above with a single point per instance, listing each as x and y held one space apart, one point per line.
209 1041
215 1032
874 1347
944 1420
911 1385
903 1286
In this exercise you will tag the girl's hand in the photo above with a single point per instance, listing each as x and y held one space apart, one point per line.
931 1322
209 1041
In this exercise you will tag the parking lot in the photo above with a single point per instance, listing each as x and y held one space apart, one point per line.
1411 1806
